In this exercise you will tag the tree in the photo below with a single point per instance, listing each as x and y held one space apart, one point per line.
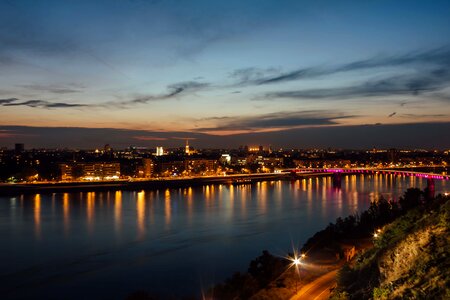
266 268
411 198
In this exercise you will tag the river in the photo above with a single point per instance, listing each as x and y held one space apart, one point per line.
107 245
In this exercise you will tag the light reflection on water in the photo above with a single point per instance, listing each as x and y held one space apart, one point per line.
171 241
37 215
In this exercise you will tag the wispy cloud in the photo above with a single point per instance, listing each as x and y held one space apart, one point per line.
149 138
6 133
7 101
174 90
274 121
255 76
183 138
38 103
391 115
55 89
418 116
420 82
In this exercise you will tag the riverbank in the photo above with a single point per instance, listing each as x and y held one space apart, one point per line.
346 249
151 184
409 259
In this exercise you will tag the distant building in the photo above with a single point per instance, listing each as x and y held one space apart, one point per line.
392 155
148 167
19 148
159 151
171 167
187 149
66 172
225 159
200 166
239 161
90 171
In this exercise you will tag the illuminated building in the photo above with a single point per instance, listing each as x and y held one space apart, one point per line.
159 151
200 166
66 172
147 167
171 167
187 148
225 159
90 171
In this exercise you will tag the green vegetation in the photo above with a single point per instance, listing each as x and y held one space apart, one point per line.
261 272
410 257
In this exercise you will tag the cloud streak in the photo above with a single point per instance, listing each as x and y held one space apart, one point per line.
418 83
38 103
255 76
413 135
149 138
7 101
174 90
274 121
50 88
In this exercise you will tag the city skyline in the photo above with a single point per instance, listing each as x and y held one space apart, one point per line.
290 74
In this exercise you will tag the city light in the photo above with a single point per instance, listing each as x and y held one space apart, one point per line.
151 148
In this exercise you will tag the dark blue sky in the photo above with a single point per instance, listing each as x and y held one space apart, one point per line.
210 69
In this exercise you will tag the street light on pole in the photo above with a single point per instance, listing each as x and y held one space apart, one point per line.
296 261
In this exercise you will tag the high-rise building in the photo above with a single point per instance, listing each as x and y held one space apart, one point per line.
90 171
225 159
159 151
148 167
187 151
392 155
19 148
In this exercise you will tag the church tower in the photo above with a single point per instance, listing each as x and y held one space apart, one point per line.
187 147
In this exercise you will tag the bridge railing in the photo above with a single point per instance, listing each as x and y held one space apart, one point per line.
371 171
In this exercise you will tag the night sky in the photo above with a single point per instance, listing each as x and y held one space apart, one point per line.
349 74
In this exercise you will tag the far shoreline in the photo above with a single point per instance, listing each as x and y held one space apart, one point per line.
151 184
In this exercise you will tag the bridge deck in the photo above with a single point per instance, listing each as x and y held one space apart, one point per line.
371 171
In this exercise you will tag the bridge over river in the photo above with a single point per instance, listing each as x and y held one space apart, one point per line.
337 174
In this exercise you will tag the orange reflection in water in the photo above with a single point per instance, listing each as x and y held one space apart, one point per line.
244 191
167 206
278 195
66 211
207 193
232 192
309 190
90 209
37 215
118 209
189 203
304 185
140 209
262 190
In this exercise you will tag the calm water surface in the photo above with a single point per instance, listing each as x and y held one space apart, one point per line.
169 242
